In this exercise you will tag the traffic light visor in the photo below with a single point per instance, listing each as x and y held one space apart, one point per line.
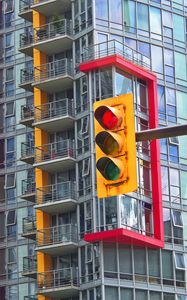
108 117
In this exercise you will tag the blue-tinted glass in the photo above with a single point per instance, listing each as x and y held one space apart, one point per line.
115 11
173 153
161 102
157 59
10 195
9 89
9 54
171 113
170 96
8 20
131 43
168 57
155 21
10 144
129 15
143 17
9 39
144 48
163 149
10 158
101 9
123 84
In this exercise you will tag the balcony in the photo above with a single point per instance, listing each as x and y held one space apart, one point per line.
27 153
57 240
25 10
61 283
27 78
26 42
114 47
29 190
54 76
55 156
30 266
51 7
54 37
57 198
53 116
27 115
29 227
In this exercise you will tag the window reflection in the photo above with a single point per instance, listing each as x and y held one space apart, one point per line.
123 83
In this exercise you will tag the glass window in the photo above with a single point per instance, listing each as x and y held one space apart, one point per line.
142 18
180 68
12 255
9 88
139 262
167 264
101 9
11 217
126 294
154 263
10 180
179 261
167 18
10 109
123 83
155 22
125 256
129 15
155 296
161 102
111 293
157 59
177 218
141 295
110 255
9 39
168 296
174 185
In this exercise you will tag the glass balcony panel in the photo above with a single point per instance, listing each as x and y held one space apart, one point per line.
26 41
29 227
28 189
58 239
57 197
27 77
54 75
25 10
27 153
57 281
49 37
29 266
51 157
53 115
27 115
113 47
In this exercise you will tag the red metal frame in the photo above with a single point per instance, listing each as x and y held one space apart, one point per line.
124 235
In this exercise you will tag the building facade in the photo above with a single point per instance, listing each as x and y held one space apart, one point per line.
57 239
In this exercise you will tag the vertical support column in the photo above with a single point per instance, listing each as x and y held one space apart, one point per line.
44 261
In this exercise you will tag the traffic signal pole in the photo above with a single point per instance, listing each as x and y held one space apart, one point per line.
161 133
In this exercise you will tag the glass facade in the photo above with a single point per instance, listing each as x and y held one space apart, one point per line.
48 193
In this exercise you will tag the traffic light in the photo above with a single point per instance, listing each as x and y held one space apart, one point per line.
115 146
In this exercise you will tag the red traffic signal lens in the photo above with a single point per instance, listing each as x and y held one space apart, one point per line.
109 120
108 117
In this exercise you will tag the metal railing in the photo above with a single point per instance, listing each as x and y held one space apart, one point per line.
26 39
27 75
29 224
57 235
24 5
62 149
58 278
29 264
115 47
28 186
27 112
56 192
62 67
27 149
51 30
59 108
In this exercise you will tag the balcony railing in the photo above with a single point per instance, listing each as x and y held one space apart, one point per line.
28 189
24 5
53 151
29 226
29 264
59 108
62 234
26 39
58 68
27 112
115 47
58 278
27 76
56 192
52 30
27 152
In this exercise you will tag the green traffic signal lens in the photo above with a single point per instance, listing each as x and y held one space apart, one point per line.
112 172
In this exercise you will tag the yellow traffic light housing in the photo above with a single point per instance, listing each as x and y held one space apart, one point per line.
115 146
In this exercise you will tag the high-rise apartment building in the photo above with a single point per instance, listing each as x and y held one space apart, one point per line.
57 239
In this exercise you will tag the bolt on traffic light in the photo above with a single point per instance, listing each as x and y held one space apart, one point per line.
115 146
